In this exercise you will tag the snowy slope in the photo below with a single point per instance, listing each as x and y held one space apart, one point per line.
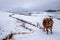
8 25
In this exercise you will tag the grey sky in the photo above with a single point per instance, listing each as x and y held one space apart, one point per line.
29 4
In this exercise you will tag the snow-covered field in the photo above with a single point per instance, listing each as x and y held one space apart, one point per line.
9 24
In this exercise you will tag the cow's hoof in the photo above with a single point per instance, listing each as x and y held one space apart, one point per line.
44 30
51 32
47 32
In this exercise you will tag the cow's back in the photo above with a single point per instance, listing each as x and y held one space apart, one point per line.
47 22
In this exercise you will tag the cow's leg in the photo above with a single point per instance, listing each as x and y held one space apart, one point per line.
44 29
51 30
47 30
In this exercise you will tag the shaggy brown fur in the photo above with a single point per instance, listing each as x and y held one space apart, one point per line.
47 24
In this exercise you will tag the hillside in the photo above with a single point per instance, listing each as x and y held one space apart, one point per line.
10 24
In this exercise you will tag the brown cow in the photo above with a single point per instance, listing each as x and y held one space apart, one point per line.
47 24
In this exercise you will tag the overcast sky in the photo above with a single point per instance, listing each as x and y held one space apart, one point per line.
29 4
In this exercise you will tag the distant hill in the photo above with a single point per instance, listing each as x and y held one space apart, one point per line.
51 10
